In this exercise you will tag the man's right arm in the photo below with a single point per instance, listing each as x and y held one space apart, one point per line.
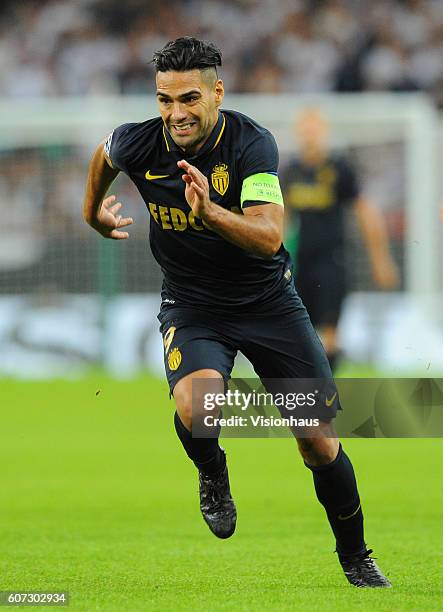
100 212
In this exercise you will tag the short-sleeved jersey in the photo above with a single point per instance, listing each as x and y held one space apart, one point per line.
200 267
318 196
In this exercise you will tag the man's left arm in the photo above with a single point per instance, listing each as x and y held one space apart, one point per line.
259 230
375 236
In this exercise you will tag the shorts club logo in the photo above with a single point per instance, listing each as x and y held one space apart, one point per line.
220 178
174 359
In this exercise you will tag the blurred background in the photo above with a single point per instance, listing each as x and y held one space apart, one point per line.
71 71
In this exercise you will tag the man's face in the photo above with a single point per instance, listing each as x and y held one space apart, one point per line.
189 104
312 130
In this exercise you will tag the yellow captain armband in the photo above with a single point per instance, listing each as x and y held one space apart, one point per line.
262 187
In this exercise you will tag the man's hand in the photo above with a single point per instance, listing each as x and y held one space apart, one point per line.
258 230
197 189
108 221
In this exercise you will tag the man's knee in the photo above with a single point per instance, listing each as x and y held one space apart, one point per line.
190 399
183 403
318 451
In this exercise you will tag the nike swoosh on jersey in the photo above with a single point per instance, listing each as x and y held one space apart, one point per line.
329 402
153 177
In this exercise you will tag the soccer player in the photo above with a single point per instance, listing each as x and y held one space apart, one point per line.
318 185
209 181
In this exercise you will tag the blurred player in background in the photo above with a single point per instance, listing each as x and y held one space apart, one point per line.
318 185
216 228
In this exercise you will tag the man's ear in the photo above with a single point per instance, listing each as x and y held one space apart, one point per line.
219 92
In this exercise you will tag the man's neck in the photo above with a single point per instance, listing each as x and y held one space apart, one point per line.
313 156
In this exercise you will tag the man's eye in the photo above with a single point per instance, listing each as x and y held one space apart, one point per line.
192 99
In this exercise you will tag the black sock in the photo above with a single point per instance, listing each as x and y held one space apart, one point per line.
336 490
206 453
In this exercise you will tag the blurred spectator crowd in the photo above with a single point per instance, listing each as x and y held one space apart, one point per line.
80 47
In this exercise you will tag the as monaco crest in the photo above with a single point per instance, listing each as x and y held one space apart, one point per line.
220 178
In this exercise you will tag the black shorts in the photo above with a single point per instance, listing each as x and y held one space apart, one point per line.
321 283
280 344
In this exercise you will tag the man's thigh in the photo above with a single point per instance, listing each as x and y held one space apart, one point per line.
189 347
284 344
284 347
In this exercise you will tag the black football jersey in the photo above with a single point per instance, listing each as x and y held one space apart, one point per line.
200 267
317 197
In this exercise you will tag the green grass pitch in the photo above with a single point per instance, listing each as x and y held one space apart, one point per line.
98 498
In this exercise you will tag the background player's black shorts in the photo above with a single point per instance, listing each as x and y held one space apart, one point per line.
280 344
320 280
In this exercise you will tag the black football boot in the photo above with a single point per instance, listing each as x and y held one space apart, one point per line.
216 503
362 571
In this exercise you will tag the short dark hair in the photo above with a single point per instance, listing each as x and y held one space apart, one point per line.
187 53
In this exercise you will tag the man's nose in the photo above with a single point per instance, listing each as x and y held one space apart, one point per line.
179 112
